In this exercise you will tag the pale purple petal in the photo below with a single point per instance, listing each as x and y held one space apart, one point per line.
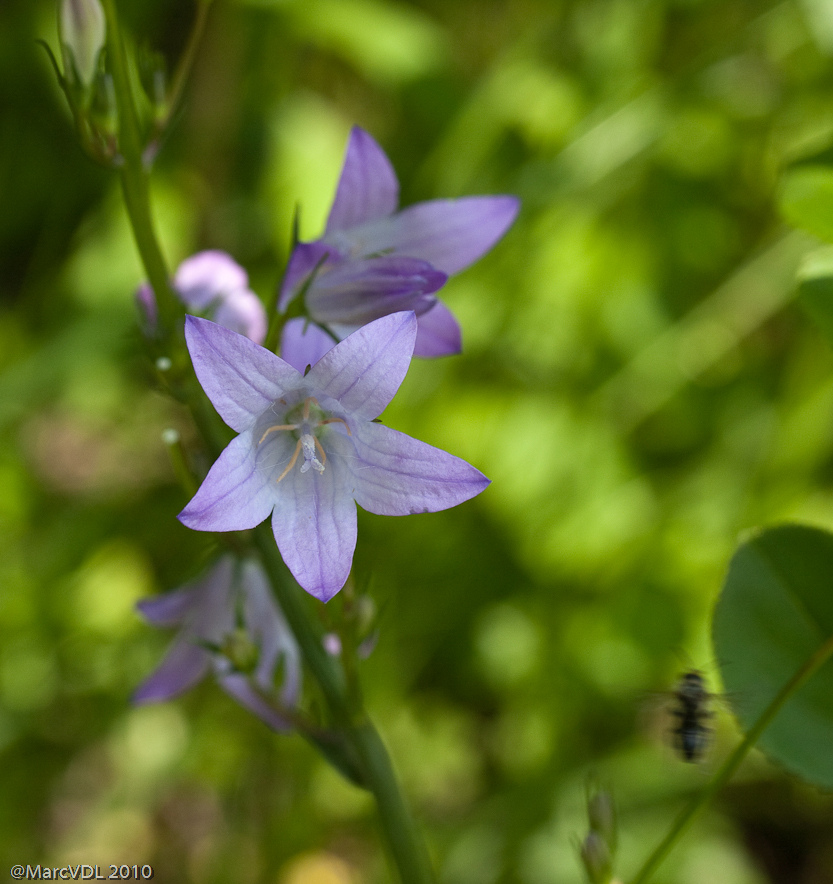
240 378
266 625
365 370
367 188
315 529
242 311
449 234
438 333
239 688
305 257
235 495
207 276
184 665
303 343
358 291
170 608
395 475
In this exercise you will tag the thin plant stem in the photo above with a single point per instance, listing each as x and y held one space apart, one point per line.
699 802
134 178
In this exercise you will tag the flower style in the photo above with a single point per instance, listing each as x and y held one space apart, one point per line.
213 283
374 260
310 449
229 623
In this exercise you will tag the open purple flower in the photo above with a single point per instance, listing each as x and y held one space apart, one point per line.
214 284
309 448
229 624
374 260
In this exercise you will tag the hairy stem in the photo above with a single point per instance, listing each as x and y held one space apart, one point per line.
698 803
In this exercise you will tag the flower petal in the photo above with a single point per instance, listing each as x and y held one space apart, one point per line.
170 608
450 234
241 379
367 187
266 624
235 495
305 257
315 528
303 343
438 333
184 665
355 292
207 276
365 370
239 687
395 475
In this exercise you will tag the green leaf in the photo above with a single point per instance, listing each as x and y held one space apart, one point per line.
815 289
806 200
775 611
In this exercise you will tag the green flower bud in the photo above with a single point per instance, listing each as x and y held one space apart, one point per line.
601 815
83 32
596 858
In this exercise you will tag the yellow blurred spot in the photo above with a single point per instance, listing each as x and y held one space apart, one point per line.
108 585
317 868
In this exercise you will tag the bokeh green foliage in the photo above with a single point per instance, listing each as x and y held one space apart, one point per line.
635 381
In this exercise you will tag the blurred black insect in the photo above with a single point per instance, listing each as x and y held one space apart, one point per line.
692 713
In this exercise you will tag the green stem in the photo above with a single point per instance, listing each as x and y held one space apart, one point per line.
134 178
405 845
684 820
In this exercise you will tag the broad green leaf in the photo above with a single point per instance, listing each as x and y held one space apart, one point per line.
775 611
815 289
807 200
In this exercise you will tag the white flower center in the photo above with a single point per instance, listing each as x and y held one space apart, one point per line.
308 444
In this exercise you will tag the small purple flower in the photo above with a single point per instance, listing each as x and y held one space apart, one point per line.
214 284
374 260
229 623
309 448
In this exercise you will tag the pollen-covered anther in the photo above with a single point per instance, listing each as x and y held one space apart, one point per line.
309 444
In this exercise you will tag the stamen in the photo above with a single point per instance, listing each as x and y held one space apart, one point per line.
292 462
335 420
276 428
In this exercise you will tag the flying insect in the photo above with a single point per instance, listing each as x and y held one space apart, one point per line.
691 711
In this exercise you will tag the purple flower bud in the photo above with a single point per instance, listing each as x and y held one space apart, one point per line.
214 284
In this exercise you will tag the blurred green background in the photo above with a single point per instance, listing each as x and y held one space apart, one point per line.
636 381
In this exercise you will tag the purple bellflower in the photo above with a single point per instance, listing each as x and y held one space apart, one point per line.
214 284
374 260
310 449
229 624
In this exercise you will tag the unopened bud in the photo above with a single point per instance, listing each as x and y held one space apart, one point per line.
601 815
83 32
596 858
